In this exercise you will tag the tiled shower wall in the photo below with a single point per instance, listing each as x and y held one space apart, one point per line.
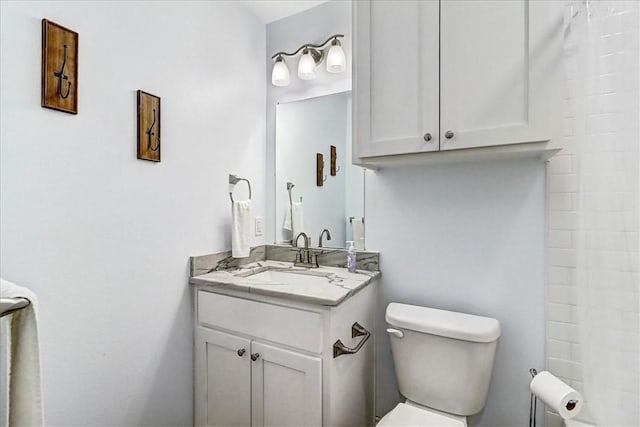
611 105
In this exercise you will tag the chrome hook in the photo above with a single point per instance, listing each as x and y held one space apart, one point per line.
62 76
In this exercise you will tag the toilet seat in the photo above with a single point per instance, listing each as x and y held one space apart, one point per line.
409 415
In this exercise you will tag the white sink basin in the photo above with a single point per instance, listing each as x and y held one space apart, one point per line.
301 278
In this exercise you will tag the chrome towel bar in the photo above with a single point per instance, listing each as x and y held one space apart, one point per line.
356 331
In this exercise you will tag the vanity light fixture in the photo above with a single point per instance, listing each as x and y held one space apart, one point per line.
336 60
280 73
312 56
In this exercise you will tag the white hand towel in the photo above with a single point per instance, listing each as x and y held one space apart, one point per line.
241 229
298 219
358 233
25 393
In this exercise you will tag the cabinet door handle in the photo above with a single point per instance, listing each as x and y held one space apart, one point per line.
449 134
255 356
427 137
241 352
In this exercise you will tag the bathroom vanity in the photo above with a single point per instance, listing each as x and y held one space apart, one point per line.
277 344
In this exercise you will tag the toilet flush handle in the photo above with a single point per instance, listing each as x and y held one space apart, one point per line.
395 332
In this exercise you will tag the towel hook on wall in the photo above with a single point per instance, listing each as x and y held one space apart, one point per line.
233 180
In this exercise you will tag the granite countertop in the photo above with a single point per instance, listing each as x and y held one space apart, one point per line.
340 284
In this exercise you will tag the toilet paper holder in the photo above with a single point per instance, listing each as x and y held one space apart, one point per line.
570 405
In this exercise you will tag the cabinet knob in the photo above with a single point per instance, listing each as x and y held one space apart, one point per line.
255 356
241 352
449 134
427 137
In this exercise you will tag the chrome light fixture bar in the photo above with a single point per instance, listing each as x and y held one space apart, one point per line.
312 56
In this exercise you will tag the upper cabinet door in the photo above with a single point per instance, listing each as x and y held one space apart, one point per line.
498 63
395 77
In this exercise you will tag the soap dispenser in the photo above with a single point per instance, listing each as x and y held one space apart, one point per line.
351 257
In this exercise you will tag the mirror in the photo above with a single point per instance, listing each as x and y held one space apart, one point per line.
304 129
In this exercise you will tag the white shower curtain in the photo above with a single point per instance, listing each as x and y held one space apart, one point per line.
601 53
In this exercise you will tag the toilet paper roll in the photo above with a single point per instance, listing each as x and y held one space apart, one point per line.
556 394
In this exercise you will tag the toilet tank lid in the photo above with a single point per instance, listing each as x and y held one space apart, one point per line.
450 324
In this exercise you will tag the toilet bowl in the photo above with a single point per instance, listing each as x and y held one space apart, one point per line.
443 362
411 414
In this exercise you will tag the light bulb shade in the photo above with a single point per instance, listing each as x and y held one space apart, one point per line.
307 66
280 73
336 60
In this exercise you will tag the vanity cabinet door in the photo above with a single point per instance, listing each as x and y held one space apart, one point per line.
395 77
286 387
223 379
498 62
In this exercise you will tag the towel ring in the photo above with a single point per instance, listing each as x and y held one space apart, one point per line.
11 305
233 180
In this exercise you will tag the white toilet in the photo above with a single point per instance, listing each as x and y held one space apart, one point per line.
443 363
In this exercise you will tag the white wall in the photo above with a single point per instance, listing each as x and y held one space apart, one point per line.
467 238
311 26
104 238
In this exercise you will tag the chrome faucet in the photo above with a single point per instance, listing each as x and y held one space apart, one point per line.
305 257
306 240
325 231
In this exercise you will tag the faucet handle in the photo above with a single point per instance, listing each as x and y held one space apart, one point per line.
314 259
299 256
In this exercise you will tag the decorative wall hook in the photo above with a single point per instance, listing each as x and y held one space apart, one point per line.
59 68
334 156
61 76
320 176
149 126
150 133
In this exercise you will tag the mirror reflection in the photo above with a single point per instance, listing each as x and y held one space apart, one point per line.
309 198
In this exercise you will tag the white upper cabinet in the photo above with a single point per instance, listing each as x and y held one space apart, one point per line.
472 74
492 72
396 83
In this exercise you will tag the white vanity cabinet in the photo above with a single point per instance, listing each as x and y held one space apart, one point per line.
243 382
434 76
264 361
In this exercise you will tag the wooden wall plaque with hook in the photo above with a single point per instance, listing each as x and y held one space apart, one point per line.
334 158
148 126
59 86
320 177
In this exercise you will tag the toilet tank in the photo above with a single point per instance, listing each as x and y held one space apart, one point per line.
443 359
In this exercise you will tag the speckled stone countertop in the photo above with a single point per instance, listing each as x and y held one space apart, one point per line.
340 284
